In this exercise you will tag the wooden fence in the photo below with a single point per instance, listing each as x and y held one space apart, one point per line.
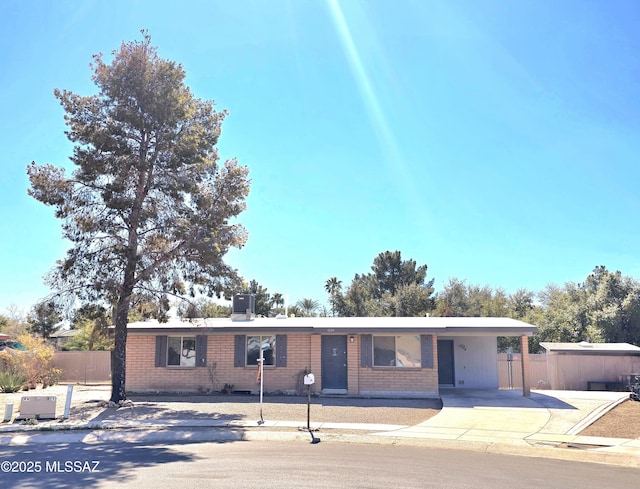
84 367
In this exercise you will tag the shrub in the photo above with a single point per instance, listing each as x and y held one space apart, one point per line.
34 363
51 377
11 382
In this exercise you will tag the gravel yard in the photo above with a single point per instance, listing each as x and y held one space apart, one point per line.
623 421
86 406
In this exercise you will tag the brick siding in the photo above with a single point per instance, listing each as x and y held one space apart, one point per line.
303 353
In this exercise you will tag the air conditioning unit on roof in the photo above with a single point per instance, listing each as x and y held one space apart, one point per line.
243 307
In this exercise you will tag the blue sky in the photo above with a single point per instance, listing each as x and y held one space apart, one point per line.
496 142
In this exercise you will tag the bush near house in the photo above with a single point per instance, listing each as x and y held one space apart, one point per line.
34 364
10 382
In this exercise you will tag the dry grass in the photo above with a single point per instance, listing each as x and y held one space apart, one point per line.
623 421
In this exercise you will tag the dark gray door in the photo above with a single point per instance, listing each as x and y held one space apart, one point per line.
334 362
446 374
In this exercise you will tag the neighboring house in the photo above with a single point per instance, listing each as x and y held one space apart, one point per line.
363 356
4 337
591 366
62 336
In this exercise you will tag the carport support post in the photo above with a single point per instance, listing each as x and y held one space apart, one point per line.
524 349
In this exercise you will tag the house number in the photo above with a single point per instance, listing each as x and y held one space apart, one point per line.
334 352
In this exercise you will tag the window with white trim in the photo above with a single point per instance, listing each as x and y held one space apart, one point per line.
181 351
268 345
396 351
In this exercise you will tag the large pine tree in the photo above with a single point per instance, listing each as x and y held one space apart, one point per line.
148 209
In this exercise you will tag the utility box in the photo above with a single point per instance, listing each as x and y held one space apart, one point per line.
39 407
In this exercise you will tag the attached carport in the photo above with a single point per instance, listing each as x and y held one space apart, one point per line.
467 349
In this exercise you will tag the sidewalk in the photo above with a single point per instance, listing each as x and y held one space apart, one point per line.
545 425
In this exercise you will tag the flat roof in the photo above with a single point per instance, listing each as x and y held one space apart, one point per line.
442 326
586 347
65 333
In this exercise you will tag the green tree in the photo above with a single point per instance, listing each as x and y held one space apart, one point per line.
605 307
460 299
333 286
90 337
278 300
93 323
395 287
411 300
44 319
521 303
454 300
148 209
203 308
308 306
565 314
615 304
263 301
359 300
391 273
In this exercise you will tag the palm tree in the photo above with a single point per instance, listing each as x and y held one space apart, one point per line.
333 286
278 299
308 306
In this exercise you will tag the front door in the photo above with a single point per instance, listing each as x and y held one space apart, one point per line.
334 363
446 374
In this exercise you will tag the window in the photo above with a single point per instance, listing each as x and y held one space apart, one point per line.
396 351
181 351
268 345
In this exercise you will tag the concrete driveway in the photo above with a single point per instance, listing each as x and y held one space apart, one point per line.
504 416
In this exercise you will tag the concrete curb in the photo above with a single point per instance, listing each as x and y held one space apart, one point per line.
228 435
562 442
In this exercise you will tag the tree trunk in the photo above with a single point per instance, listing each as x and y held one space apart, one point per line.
119 354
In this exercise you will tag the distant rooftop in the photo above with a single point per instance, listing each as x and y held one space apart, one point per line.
586 347
65 333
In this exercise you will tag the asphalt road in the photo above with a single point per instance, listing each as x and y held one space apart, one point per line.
293 464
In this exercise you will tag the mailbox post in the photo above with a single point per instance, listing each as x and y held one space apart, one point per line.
261 376
309 380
